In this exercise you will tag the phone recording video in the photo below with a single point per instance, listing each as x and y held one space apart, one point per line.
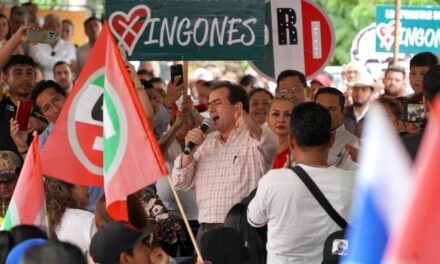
23 113
41 36
176 74
413 113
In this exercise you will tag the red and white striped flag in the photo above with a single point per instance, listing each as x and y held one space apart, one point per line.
28 204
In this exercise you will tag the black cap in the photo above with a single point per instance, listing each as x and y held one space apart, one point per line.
335 246
114 238
225 246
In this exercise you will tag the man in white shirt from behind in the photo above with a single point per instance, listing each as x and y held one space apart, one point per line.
297 224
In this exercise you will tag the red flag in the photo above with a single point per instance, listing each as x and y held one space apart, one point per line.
419 239
27 204
102 131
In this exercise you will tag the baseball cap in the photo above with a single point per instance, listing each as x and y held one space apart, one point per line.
114 238
18 251
201 74
323 79
10 164
225 246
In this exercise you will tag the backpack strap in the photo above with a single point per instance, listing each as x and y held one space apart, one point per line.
319 196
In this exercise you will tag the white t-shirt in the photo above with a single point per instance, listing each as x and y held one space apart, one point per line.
47 56
297 224
77 227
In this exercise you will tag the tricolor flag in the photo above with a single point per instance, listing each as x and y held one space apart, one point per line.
418 239
102 136
383 187
28 204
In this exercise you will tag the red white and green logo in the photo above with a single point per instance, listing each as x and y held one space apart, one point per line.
97 125
102 130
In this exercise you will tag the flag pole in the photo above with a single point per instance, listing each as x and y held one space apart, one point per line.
170 180
185 219
185 80
396 33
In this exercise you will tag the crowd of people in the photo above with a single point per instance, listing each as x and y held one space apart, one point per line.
238 185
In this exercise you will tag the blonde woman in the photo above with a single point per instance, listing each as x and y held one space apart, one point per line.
278 121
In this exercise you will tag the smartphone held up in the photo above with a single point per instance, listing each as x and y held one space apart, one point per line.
413 112
41 36
23 113
176 73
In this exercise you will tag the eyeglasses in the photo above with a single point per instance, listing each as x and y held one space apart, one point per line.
285 91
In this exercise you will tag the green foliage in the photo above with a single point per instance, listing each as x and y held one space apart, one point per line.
60 4
349 17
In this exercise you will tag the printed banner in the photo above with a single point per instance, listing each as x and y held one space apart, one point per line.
419 30
188 29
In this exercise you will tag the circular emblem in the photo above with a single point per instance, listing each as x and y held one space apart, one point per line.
97 126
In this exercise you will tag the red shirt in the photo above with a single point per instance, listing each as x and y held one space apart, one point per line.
280 159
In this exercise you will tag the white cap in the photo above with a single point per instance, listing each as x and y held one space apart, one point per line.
202 74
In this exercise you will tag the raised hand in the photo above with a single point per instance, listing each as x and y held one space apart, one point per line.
36 124
158 256
19 136
173 93
352 151
133 75
245 122
196 136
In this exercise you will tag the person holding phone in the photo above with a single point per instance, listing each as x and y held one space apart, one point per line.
175 90
19 75
419 65
59 50
12 46
431 89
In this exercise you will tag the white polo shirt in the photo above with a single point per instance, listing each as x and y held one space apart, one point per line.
297 224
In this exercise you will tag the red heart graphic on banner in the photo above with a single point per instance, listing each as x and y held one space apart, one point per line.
385 32
128 28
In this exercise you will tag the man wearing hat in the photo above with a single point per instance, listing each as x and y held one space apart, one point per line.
120 242
363 88
10 165
320 80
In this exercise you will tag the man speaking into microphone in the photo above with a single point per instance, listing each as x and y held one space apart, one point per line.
207 122
225 167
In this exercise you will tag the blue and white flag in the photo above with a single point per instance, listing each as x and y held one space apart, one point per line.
382 190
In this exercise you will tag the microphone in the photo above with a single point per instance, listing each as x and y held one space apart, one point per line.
207 122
